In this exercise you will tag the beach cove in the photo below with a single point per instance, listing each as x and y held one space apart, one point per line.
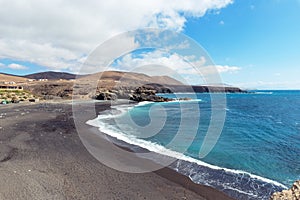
42 157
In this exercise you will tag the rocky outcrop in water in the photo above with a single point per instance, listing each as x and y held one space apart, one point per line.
292 194
139 94
147 94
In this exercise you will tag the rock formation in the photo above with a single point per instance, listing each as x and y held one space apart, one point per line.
292 194
147 94
143 93
106 96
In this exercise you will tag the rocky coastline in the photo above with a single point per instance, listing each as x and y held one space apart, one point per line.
149 92
291 194
139 94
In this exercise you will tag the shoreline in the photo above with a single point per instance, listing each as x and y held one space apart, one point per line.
42 157
204 166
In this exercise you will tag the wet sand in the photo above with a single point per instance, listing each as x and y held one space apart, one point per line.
42 157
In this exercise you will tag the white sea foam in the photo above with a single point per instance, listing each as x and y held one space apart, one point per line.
193 93
143 103
180 100
242 192
263 92
153 147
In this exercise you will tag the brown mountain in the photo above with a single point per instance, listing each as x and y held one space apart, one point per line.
107 76
50 75
61 84
112 78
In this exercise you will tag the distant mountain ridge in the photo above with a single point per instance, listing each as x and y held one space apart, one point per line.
106 76
128 78
113 79
51 75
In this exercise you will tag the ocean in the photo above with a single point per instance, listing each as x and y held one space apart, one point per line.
256 154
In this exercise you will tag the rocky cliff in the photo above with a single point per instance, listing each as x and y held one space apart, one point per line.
292 194
195 89
139 94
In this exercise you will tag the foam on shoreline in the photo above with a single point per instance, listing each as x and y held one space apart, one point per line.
184 160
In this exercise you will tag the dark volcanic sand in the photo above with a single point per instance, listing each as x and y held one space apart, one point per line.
42 157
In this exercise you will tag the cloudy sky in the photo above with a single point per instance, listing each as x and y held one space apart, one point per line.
253 43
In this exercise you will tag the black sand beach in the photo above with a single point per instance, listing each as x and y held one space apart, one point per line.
42 157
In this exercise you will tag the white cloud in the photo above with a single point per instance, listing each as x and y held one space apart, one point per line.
226 68
221 22
13 66
187 69
160 58
175 62
43 54
16 66
59 33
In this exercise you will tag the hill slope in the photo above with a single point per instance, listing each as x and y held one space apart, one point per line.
107 76
128 78
50 75
10 78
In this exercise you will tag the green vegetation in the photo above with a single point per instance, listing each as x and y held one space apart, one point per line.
14 91
15 96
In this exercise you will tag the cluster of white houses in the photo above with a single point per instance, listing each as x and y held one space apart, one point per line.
41 79
10 85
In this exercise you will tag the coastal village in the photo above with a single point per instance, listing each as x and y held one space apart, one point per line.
13 92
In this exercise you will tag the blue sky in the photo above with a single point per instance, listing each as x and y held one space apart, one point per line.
260 38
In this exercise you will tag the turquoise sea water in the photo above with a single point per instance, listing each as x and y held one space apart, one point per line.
261 134
260 140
